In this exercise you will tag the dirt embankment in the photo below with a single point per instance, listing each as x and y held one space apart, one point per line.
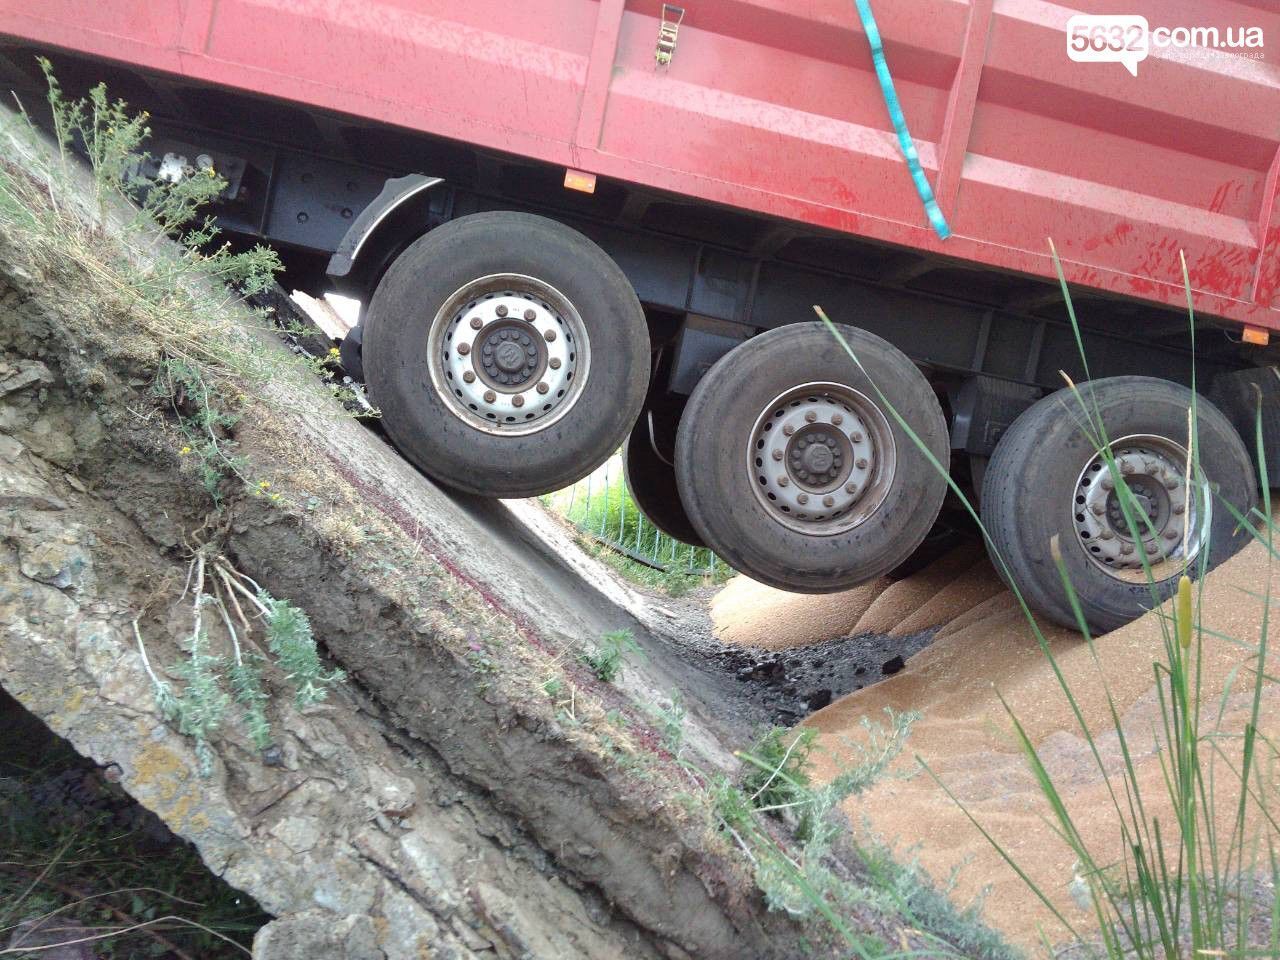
470 790
984 649
430 802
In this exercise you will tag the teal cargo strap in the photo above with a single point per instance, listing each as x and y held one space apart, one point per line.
931 207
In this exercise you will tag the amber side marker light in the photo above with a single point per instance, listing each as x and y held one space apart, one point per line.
1256 335
580 180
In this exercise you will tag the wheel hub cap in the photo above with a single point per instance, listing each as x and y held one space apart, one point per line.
1169 518
510 354
821 458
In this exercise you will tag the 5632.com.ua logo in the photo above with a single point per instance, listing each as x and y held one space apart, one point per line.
1129 38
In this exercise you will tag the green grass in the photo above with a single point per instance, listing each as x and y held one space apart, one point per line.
1182 886
799 873
602 508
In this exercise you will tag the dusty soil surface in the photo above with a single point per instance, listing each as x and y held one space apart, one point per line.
981 644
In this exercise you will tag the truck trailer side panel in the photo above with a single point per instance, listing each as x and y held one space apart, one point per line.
773 107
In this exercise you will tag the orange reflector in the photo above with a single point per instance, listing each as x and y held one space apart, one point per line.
1257 336
580 180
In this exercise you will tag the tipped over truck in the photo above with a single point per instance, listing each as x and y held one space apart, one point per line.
580 224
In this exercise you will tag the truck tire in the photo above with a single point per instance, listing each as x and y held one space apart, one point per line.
1046 479
507 353
791 468
652 483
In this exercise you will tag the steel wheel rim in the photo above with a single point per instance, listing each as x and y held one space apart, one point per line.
508 354
1155 470
821 458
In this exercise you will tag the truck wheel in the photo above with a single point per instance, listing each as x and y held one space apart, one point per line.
508 354
1046 480
652 483
793 471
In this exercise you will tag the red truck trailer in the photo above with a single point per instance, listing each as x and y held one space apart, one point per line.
578 223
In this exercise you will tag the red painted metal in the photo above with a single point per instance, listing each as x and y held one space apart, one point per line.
772 106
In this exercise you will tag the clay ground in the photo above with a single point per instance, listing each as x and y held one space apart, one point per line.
966 643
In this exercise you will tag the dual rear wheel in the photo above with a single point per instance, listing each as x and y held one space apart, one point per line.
1050 488
792 466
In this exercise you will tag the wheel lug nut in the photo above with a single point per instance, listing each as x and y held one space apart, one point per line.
554 363
1098 509
1126 548
549 336
1126 467
517 401
1171 534
810 416
1105 535
828 501
782 481
803 498
850 488
788 430
861 463
502 310
469 377
837 418
543 388
530 315
490 396
856 436
1179 509
1108 484
777 455
476 323
464 349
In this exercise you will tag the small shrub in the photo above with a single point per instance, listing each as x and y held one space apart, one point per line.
289 637
777 775
198 710
801 881
671 723
611 654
